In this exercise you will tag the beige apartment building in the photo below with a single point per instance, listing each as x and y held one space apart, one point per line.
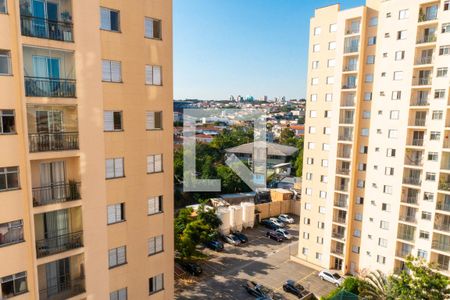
376 178
86 187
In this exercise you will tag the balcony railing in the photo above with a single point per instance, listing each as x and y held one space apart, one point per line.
340 203
419 122
403 253
348 86
351 49
346 120
56 193
64 289
425 60
340 220
410 199
50 87
46 29
417 142
412 180
345 137
444 185
338 235
420 102
349 68
413 161
409 219
42 142
342 187
442 226
406 236
441 246
343 171
348 103
442 205
343 154
59 244
426 17
422 81
426 39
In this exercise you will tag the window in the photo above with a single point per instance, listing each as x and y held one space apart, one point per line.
442 72
424 235
398 75
305 251
370 59
387 189
426 215
435 136
152 28
119 295
330 80
114 168
333 27
437 115
156 283
3 9
9 178
112 71
358 217
313 114
393 133
318 256
319 240
331 63
389 171
324 179
359 200
322 195
363 149
311 145
355 249
328 97
317 31
394 114
396 95
306 235
109 19
155 245
313 97
427 196
116 213
315 81
390 152
403 14
154 205
11 233
327 114
112 120
373 21
325 147
385 207
446 5
321 225
360 183
401 35
153 75
369 78
309 176
331 45
326 130
430 176
364 131
357 233
445 27
388 15
5 62
310 161
315 64
312 130
307 221
154 163
316 47
382 242
7 121
308 191
439 94
13 285
399 55
153 120
384 225
324 162
372 40
444 50
422 253
432 156
381 259
117 256
367 96
307 206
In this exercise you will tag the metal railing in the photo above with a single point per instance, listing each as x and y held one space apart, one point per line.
417 142
412 180
58 244
345 137
66 288
347 103
338 235
351 49
422 81
50 87
426 17
442 226
425 60
410 199
420 102
342 187
403 253
42 142
56 193
340 203
343 171
440 245
406 236
348 86
339 220
413 161
346 120
343 154
443 205
46 29
409 219
349 68
338 251
427 39
419 122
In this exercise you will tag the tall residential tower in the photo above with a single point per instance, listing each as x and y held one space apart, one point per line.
86 149
376 178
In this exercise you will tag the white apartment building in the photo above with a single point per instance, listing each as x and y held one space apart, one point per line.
376 184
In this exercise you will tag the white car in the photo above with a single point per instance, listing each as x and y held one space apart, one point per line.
334 278
285 219
284 233
277 222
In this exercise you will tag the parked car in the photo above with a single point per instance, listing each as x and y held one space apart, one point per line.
290 286
277 222
190 267
215 245
256 290
274 236
242 237
269 224
231 239
286 235
286 219
335 278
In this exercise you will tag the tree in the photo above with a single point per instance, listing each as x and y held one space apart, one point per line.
231 182
421 281
375 287
287 137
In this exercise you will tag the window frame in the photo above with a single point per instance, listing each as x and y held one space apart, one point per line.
110 10
5 171
151 284
4 115
154 249
114 112
114 167
155 170
7 55
154 21
122 213
11 225
110 71
159 200
117 262
118 295
155 113
153 82
13 278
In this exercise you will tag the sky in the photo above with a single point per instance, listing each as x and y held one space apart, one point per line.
242 47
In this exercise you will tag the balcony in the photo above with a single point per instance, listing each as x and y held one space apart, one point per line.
348 103
338 235
412 180
409 219
337 251
444 184
427 39
414 159
421 81
418 122
61 141
49 73
56 193
406 232
341 202
350 68
428 13
41 19
339 219
345 137
403 250
442 222
443 203
426 60
442 262
346 119
441 245
62 279
58 231
343 171
410 198
349 86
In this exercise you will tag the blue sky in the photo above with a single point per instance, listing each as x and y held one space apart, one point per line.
246 47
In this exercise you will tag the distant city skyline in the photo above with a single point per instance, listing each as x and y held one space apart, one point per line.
224 48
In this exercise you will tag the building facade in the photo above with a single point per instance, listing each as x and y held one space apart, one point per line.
376 159
86 149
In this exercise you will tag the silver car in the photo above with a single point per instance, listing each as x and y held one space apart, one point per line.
334 278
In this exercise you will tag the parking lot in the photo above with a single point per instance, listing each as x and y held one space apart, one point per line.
261 260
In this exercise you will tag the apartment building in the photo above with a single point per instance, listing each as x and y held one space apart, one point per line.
376 184
86 149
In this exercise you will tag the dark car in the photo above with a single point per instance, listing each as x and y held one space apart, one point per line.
231 239
269 224
215 245
275 236
294 288
190 267
242 237
256 290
